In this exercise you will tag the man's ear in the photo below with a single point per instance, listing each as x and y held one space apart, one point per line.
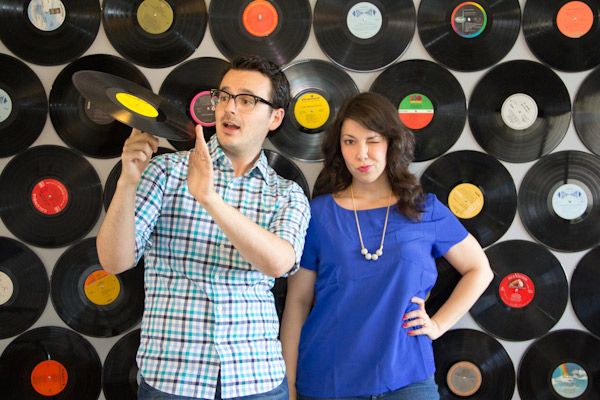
276 118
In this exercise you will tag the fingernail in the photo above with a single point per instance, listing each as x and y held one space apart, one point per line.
404 325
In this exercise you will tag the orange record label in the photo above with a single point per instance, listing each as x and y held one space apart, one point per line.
464 378
49 378
466 201
49 196
102 288
575 19
260 18
516 290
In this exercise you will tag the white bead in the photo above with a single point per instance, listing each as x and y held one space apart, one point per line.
368 256
379 252
364 252
374 257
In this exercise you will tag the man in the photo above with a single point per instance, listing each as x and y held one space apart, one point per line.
215 224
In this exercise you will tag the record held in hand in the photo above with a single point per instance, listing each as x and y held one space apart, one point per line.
468 35
374 34
528 294
49 32
55 196
276 30
445 283
559 200
120 371
155 33
79 122
584 291
478 190
519 111
471 364
430 101
318 89
24 287
563 34
50 362
287 169
134 105
586 117
564 364
23 106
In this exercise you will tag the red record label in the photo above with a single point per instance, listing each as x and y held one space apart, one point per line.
260 18
517 290
50 196
49 378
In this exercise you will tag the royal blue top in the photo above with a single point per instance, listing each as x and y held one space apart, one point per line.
353 342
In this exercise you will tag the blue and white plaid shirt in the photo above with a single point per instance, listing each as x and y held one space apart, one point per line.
206 308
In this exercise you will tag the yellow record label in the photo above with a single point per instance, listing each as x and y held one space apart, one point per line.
136 105
155 16
466 201
312 110
101 288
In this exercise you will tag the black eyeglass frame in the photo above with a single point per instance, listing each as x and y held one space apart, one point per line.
214 93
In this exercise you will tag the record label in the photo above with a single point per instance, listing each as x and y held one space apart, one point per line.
416 111
464 378
260 18
312 110
5 106
50 196
202 109
364 20
7 288
569 201
469 19
516 290
575 19
49 378
101 288
137 105
46 15
519 111
155 16
466 200
569 380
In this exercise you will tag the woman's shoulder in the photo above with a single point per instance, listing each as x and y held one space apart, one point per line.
321 201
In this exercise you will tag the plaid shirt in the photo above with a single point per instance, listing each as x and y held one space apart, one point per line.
206 308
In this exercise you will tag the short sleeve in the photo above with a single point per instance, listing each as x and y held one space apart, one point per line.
448 229
310 254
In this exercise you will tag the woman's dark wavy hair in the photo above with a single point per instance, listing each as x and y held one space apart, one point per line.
375 112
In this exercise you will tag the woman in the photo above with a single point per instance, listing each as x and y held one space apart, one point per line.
368 265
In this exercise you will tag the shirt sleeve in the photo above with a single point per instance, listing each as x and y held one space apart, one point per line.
448 229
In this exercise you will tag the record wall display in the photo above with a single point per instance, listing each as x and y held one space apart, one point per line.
318 89
155 33
274 29
559 200
478 190
584 291
54 197
120 371
564 364
23 106
287 169
586 115
24 287
374 34
79 121
92 301
528 294
519 111
445 283
468 35
563 34
471 364
430 101
49 32
50 362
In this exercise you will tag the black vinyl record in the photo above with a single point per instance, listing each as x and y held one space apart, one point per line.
120 370
78 121
559 200
564 364
49 32
471 364
430 101
274 29
287 169
528 294
279 291
478 190
54 196
318 89
468 36
23 106
445 283
563 34
584 291
24 287
188 87
519 111
586 117
50 362
155 33
374 34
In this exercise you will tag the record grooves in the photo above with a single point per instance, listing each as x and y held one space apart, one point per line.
584 291
120 370
585 111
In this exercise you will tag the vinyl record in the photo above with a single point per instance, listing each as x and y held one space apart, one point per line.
50 362
471 364
374 34
318 89
287 169
519 111
120 370
430 101
563 364
54 196
528 294
134 105
279 291
563 34
155 33
586 117
78 121
49 32
584 291
559 200
468 35
477 189
23 106
445 283
24 287
188 87
274 29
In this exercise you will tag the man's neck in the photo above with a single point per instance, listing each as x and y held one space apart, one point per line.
241 163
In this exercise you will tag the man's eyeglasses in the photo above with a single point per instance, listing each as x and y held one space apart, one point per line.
244 102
